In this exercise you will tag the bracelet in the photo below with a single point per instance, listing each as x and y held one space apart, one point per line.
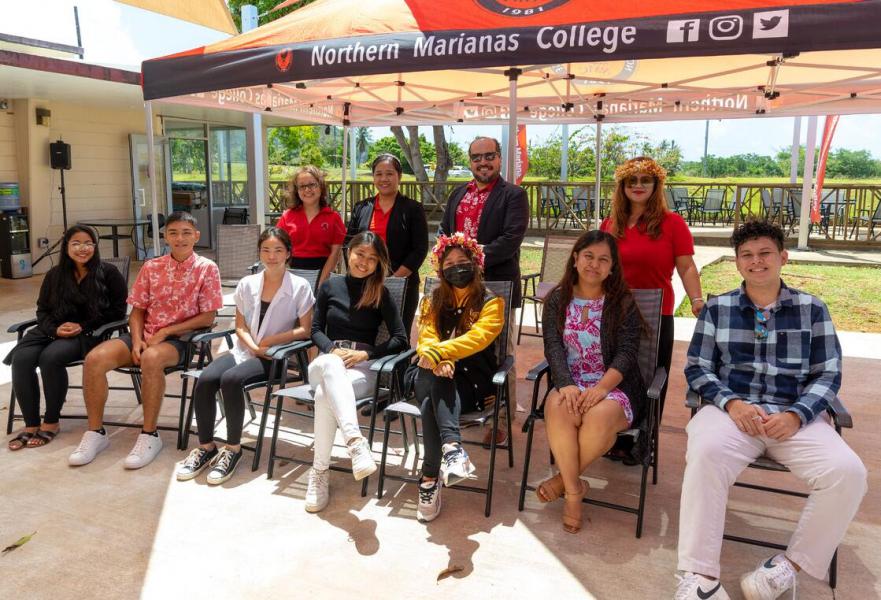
695 299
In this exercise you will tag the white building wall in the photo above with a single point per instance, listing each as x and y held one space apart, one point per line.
8 167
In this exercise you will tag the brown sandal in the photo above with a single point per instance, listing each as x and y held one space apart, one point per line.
571 521
20 441
550 489
42 437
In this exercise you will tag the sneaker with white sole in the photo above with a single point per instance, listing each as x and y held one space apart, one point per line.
91 444
196 460
224 466
697 587
456 467
363 464
318 490
144 451
771 579
429 501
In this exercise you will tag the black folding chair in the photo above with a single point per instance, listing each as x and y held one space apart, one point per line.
404 408
303 394
122 264
649 302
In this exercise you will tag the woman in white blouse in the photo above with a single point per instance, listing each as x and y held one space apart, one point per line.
272 307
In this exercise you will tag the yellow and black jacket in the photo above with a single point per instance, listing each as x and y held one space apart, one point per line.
472 352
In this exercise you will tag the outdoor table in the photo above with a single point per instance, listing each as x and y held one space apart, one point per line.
114 225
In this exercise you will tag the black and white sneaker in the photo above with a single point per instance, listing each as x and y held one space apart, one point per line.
198 459
697 587
456 467
224 466
429 501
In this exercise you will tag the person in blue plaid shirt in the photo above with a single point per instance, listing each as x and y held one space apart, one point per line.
767 357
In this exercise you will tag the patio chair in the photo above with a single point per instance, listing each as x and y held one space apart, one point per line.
649 302
870 219
841 418
713 205
771 203
582 205
683 203
549 204
279 376
20 329
553 262
235 216
303 394
236 251
403 407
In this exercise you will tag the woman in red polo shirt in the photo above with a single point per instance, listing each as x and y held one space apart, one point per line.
653 240
316 230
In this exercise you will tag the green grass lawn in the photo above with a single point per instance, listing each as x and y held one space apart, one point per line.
853 294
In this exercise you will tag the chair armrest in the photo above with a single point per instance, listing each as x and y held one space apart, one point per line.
505 368
692 399
188 336
840 415
658 382
108 328
282 351
211 335
537 371
19 328
392 363
529 276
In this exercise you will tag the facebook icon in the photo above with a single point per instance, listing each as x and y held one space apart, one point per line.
685 30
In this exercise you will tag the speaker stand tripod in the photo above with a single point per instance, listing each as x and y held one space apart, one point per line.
51 250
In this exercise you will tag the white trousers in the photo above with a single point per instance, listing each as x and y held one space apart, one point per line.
336 389
718 452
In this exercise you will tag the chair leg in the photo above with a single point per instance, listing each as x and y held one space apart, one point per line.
370 433
641 510
11 416
184 427
530 429
184 434
382 459
492 456
275 426
833 570
267 402
535 313
520 325
510 432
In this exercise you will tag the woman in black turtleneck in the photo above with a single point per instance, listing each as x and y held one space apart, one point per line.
347 314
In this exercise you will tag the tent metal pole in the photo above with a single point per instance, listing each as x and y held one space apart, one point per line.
564 152
151 173
344 183
511 174
793 155
807 186
599 164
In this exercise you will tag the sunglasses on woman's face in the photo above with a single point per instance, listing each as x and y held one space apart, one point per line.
635 181
761 330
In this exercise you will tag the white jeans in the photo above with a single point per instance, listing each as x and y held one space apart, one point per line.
336 389
718 452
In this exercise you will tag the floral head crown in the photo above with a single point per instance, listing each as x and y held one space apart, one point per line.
636 166
459 239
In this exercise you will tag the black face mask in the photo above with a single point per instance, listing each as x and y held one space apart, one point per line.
459 276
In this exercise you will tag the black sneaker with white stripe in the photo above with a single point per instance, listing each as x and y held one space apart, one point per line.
198 459
224 466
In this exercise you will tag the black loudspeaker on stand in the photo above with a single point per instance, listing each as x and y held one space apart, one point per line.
59 158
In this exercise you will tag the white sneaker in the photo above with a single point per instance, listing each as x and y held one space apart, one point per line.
363 464
318 492
91 444
455 467
429 501
145 450
769 580
697 587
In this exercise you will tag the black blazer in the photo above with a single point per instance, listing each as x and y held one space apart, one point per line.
407 231
501 230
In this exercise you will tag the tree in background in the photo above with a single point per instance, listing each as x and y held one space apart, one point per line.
412 146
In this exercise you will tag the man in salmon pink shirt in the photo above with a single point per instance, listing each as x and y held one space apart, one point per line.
173 294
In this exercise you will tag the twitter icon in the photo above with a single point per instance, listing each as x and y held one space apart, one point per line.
771 24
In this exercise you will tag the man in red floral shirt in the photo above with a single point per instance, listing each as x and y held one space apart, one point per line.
173 294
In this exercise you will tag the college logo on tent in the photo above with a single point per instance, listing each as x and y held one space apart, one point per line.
284 59
520 8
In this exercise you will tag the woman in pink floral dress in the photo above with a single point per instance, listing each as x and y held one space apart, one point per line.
592 328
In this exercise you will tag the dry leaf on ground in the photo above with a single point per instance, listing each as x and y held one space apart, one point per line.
19 543
449 571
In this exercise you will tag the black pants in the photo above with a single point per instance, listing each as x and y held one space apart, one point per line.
411 303
308 263
440 406
225 375
52 356
665 354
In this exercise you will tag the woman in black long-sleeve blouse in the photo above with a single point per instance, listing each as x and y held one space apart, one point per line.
592 329
400 222
78 296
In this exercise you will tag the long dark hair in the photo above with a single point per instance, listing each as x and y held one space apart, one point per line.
91 292
617 294
372 295
443 295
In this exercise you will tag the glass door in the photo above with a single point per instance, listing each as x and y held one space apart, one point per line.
141 195
190 174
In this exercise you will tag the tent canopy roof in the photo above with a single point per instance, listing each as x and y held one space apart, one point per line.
422 62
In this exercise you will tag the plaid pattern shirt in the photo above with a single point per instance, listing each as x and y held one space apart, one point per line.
796 368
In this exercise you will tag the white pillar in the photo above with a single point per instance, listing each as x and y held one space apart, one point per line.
807 185
343 205
511 172
257 169
794 154
564 152
599 160
151 173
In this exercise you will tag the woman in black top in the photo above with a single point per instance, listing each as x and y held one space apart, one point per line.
347 315
400 222
78 296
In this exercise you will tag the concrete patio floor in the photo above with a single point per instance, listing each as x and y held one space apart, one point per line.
104 532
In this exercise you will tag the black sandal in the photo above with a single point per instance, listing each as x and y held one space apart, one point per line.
44 435
20 441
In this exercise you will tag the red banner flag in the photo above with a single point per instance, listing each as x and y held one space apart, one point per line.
522 165
828 132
